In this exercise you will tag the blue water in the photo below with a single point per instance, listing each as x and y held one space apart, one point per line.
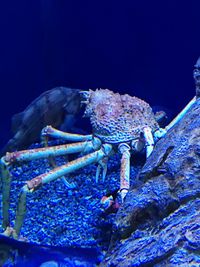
144 48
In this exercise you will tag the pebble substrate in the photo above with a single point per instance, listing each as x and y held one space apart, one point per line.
61 216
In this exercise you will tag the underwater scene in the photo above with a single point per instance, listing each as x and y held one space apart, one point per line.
100 136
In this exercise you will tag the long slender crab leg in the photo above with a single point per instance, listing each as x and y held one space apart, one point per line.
148 140
181 114
6 184
125 169
49 131
161 132
26 155
38 181
44 152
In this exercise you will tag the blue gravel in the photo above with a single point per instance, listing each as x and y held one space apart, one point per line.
62 216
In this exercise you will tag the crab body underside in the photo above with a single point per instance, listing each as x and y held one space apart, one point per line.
120 123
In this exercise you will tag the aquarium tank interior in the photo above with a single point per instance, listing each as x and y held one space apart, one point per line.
100 133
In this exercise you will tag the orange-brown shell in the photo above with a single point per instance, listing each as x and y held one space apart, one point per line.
118 118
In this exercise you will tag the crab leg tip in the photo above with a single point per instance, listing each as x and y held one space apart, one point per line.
149 150
104 172
97 173
123 193
102 164
148 136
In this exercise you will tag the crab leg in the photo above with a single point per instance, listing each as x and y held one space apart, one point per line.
6 184
161 132
44 152
148 140
181 114
38 181
49 131
125 169
27 155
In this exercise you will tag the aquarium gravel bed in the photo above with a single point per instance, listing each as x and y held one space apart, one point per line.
61 216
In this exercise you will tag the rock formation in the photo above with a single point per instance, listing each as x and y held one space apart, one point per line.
159 223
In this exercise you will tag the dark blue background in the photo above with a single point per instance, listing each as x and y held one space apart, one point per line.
145 48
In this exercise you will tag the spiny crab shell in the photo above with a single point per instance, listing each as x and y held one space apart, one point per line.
118 118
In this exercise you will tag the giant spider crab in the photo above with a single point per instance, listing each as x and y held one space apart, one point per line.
120 123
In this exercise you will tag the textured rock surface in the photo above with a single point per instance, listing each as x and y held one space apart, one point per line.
159 223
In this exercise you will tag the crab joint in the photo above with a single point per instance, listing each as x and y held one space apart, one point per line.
34 184
9 158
